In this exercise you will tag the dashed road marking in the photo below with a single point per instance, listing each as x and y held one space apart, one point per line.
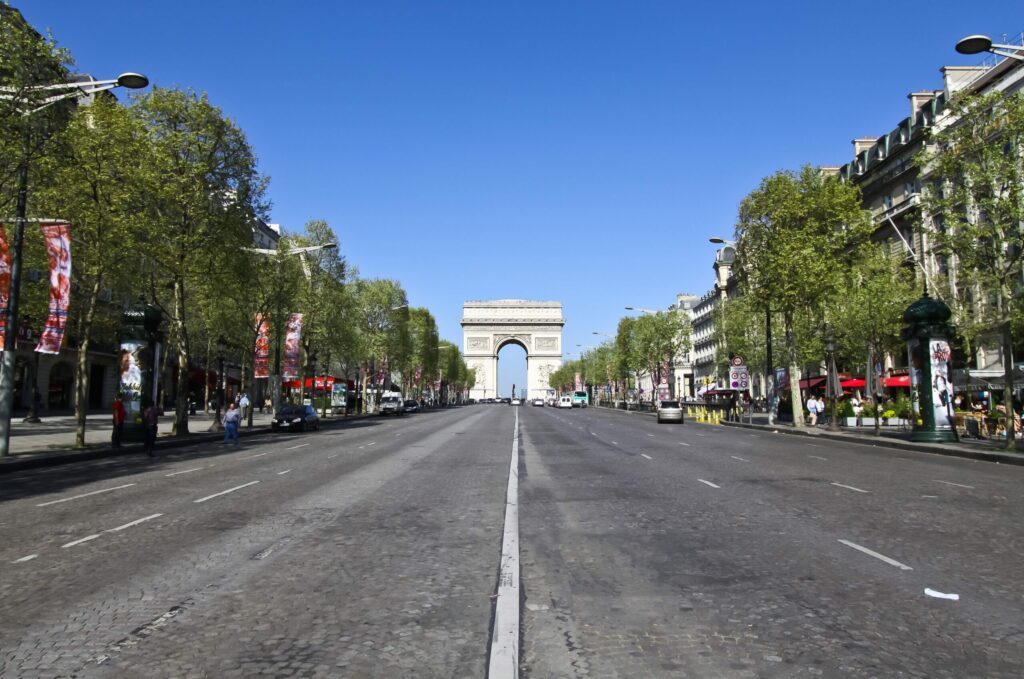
76 497
253 457
651 435
696 434
708 483
284 472
818 457
615 443
225 492
301 445
814 445
843 485
25 558
136 522
881 557
331 457
950 483
646 455
184 471
80 540
741 459
371 443
684 444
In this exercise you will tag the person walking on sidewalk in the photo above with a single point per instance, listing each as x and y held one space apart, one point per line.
244 405
119 415
812 410
150 420
231 420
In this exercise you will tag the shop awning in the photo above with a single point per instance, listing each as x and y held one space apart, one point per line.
812 382
852 383
898 381
719 392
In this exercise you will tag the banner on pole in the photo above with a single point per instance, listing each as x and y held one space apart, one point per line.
292 346
261 362
5 284
58 250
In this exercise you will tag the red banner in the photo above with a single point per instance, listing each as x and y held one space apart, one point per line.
58 250
262 359
5 283
292 346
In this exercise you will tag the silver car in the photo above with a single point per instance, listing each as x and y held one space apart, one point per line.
670 411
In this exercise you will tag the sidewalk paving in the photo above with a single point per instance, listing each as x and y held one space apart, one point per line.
987 450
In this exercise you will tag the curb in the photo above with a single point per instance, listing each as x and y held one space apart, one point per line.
934 449
68 456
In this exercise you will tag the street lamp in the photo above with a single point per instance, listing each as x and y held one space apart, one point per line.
643 311
28 101
833 390
769 367
222 347
976 44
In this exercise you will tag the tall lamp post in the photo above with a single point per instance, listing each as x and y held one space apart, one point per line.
976 44
833 390
222 347
27 101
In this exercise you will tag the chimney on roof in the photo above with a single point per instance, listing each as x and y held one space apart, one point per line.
862 144
919 99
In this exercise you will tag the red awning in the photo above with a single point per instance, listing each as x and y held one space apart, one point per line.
898 381
719 392
811 382
852 383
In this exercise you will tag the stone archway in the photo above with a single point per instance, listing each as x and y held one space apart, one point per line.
535 326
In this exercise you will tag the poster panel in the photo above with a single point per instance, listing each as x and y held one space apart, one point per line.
129 383
262 358
942 385
58 250
5 283
292 346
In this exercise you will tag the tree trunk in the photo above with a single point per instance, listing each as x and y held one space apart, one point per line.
206 376
1007 337
82 365
181 398
794 374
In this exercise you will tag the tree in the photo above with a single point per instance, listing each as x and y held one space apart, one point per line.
659 338
94 181
796 235
975 201
383 313
202 193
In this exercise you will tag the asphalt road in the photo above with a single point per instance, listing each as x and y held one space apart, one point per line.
646 550
703 551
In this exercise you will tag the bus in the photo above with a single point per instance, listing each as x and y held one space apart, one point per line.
580 399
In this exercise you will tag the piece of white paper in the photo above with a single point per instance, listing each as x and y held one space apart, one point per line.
941 595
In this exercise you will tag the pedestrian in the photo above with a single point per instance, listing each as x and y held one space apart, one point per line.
812 410
150 420
858 409
231 419
822 413
243 404
119 415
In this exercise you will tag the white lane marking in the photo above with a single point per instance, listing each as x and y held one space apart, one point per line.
25 558
505 633
741 459
284 472
371 443
593 434
708 483
684 444
651 435
136 522
95 492
814 445
80 541
696 434
941 595
301 445
753 436
331 457
615 443
930 497
950 483
843 485
253 457
184 471
818 457
881 557
225 492
646 455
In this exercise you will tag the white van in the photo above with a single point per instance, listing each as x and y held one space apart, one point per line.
565 402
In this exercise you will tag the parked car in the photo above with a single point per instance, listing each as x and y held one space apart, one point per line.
670 411
295 418
411 406
538 403
565 402
392 405
516 402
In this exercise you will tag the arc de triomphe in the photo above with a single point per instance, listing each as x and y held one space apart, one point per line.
535 326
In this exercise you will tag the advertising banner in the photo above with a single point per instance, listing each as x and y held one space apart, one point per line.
58 250
339 396
579 383
5 283
916 375
292 346
129 384
942 385
262 359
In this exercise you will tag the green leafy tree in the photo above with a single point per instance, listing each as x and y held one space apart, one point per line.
383 319
976 203
796 234
202 192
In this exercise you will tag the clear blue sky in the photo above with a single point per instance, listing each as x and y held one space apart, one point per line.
574 151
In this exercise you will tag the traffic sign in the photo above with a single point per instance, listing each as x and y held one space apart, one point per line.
739 377
737 360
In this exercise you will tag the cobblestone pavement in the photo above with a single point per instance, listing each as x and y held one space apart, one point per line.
701 551
366 551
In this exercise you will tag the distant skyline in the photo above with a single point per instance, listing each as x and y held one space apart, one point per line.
575 151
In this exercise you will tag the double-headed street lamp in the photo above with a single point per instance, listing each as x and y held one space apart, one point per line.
27 101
